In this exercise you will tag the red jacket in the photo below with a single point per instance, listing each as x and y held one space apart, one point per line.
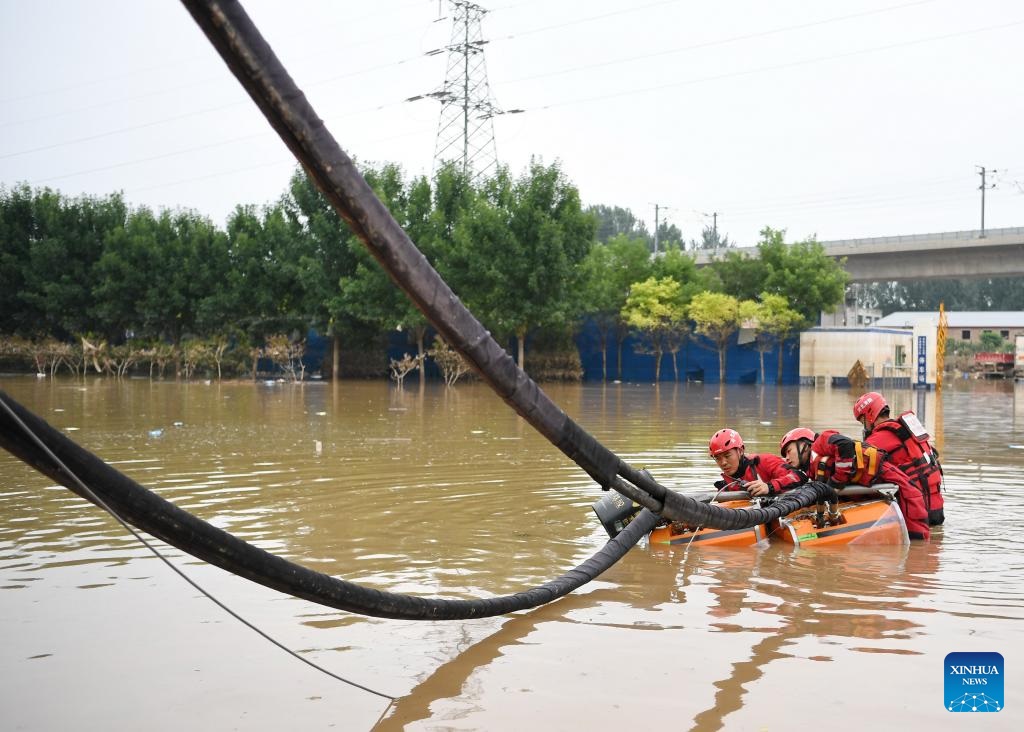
916 457
839 459
772 469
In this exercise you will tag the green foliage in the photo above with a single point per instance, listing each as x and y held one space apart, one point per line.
995 293
711 239
801 272
171 288
990 342
656 308
516 254
774 321
718 316
607 273
613 222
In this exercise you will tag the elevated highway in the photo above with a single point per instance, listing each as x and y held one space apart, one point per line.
946 255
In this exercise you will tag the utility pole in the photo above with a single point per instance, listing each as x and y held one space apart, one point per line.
655 229
657 224
714 225
982 187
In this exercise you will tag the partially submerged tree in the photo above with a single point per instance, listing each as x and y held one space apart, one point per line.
400 368
609 271
449 361
655 308
718 316
773 321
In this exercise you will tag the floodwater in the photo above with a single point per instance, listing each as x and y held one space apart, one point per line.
445 492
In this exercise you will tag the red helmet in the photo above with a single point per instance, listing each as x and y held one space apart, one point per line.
869 405
797 433
724 440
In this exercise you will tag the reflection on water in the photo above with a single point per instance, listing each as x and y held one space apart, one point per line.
446 492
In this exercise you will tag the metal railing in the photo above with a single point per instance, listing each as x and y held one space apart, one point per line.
971 234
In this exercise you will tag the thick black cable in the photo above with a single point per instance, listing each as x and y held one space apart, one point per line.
89 476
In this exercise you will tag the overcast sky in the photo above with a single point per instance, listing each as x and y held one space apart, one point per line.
840 119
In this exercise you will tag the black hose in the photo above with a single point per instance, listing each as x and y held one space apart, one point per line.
20 430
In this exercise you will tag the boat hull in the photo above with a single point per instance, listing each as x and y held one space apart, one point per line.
674 534
875 522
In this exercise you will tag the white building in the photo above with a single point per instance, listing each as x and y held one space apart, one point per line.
966 325
828 354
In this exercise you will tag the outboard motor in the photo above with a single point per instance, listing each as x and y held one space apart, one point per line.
615 511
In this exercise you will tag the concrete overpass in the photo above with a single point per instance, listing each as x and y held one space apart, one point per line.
947 255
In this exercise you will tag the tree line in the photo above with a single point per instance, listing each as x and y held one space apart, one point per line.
171 288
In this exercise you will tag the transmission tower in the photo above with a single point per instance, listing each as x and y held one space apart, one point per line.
465 130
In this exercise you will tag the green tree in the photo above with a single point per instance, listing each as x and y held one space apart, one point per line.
995 293
124 276
65 243
368 293
608 272
711 239
18 229
265 250
739 274
326 254
774 321
801 272
718 316
655 308
517 254
990 342
613 221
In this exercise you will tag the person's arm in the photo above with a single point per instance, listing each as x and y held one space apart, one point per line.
844 461
783 476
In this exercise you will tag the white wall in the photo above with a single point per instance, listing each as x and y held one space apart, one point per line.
832 353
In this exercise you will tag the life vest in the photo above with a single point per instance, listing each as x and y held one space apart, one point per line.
864 464
921 463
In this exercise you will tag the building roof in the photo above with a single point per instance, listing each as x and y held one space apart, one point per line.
963 319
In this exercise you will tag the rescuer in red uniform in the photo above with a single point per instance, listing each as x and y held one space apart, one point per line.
840 460
759 475
905 440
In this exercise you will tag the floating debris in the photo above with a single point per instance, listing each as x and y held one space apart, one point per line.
156 433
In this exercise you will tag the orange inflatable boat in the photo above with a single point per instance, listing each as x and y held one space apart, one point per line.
863 516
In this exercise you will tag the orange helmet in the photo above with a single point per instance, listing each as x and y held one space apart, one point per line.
797 433
724 440
870 405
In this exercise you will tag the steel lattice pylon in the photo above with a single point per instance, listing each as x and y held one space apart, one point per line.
465 130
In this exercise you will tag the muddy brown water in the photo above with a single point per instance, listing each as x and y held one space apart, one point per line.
446 492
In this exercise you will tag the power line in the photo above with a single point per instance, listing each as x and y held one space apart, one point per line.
776 67
711 44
